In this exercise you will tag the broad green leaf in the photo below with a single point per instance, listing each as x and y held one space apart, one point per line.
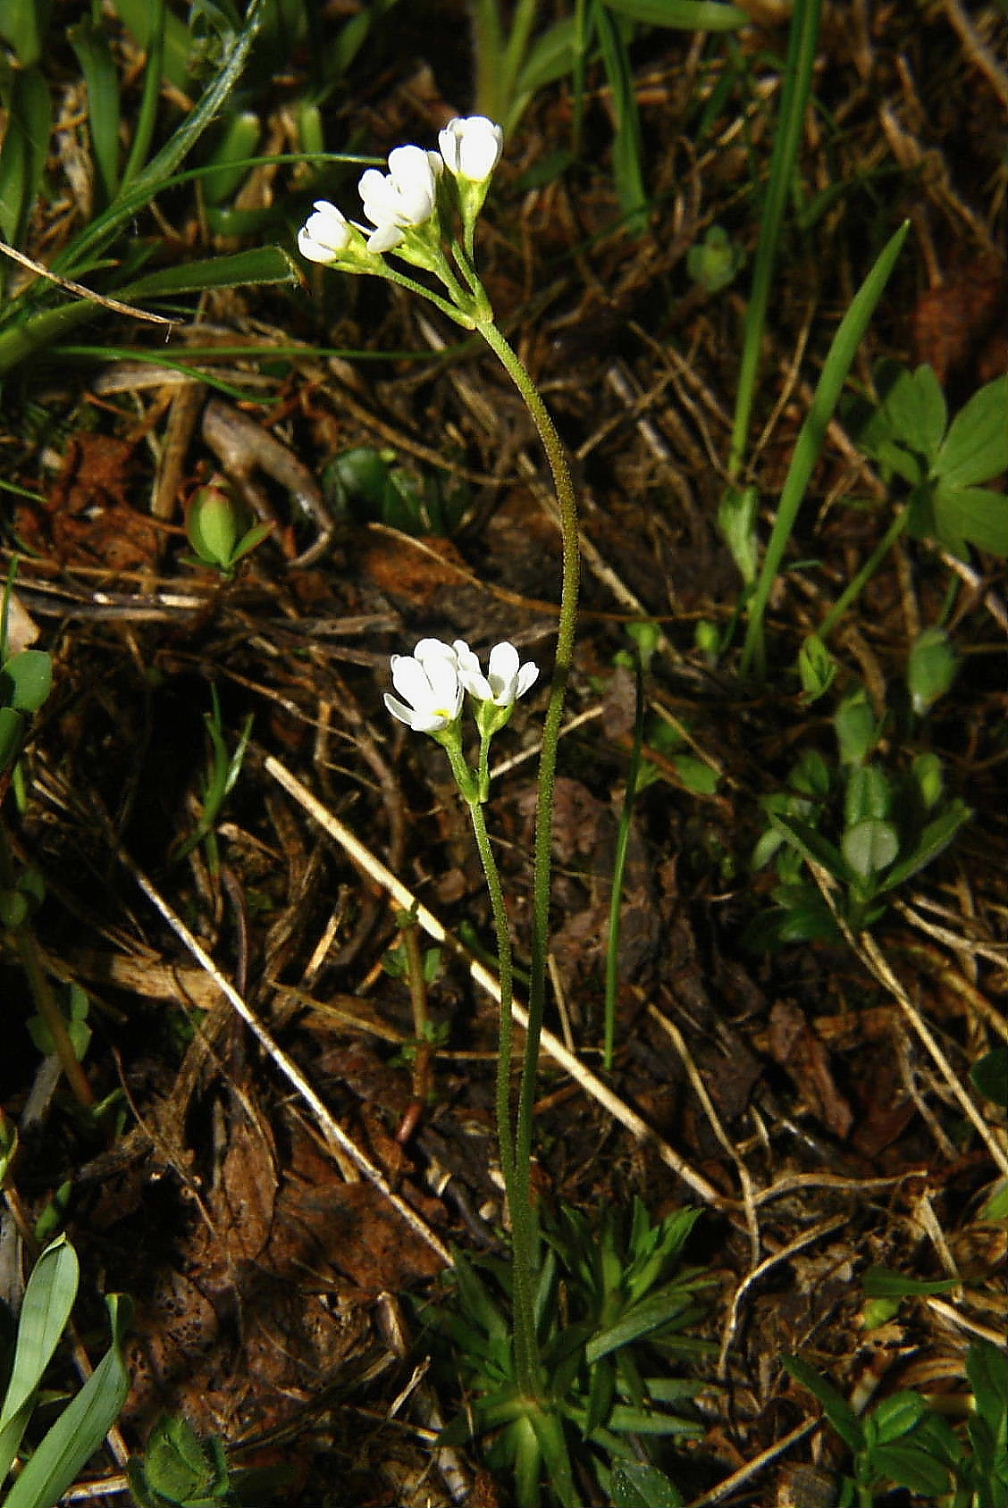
915 412
911 1467
987 1370
26 680
870 846
975 514
263 264
869 793
685 15
82 1426
45 1309
635 1484
990 1075
856 727
931 668
696 775
976 446
894 1417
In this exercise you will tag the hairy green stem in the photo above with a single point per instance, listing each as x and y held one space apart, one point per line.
564 487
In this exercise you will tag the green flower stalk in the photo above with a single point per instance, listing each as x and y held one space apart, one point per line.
424 212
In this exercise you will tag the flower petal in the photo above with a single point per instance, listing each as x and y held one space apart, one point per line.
410 680
399 709
503 666
527 677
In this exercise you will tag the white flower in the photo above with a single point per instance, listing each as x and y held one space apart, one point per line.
428 679
324 234
505 679
471 146
406 195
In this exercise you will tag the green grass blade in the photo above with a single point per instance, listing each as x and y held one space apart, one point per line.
262 264
628 169
102 80
685 15
82 1426
25 97
143 134
810 440
802 43
45 1310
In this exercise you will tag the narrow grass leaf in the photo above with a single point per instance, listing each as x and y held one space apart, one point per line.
685 15
45 1310
102 80
82 1426
811 437
838 1410
261 264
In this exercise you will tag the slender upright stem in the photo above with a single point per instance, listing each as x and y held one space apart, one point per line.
564 487
524 1227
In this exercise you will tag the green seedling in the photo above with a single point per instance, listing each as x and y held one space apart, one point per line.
224 767
75 1013
178 1470
370 485
903 1442
868 827
219 527
715 261
80 1429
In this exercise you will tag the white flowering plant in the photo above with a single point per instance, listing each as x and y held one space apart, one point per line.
424 212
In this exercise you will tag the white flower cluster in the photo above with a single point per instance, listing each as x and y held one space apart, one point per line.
433 679
406 197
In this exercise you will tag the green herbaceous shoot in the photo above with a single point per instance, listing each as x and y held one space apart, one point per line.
83 1423
425 209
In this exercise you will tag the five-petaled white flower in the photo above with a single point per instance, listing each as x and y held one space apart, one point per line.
429 681
505 679
404 196
471 146
324 234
